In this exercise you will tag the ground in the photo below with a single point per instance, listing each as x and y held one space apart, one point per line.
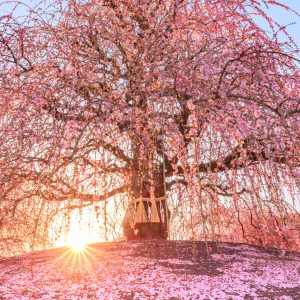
153 269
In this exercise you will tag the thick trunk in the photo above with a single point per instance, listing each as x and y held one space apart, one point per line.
146 215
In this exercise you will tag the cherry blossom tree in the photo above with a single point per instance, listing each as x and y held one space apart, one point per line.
185 101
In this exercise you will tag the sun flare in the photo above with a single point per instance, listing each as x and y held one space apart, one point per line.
77 241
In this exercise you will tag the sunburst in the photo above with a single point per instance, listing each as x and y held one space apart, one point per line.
77 241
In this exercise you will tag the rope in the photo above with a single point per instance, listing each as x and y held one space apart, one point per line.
149 199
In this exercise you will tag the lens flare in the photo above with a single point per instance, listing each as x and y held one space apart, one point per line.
77 241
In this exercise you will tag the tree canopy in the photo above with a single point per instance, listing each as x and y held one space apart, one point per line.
185 99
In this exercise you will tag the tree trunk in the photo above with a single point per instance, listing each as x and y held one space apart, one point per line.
145 229
147 215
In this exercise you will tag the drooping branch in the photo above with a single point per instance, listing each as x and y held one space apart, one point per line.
240 157
86 198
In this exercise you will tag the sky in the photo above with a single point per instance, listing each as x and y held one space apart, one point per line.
284 18
278 14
